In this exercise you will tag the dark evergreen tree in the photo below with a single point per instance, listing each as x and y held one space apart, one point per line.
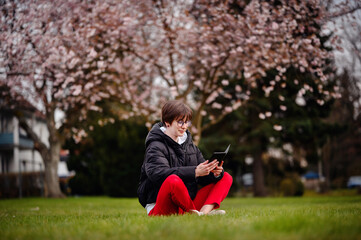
108 160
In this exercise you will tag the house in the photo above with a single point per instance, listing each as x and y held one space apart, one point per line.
21 166
312 181
17 153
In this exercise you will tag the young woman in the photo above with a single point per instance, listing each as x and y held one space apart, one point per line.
173 168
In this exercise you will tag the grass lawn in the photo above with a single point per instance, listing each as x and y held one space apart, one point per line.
118 218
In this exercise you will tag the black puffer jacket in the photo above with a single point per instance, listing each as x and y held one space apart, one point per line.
164 157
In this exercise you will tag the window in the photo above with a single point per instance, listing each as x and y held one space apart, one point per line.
5 160
5 124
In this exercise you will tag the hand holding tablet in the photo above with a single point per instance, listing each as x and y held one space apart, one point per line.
219 155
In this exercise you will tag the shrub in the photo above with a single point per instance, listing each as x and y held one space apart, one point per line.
292 187
109 160
300 188
287 187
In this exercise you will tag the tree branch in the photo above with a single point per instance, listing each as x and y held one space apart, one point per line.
217 120
38 144
17 74
168 30
159 67
344 12
187 91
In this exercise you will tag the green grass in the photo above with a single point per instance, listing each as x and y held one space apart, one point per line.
247 218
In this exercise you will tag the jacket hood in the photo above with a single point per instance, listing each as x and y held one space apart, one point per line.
156 134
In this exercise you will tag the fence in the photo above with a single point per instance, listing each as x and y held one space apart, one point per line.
28 184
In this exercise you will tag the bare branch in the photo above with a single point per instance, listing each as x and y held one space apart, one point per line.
344 12
215 121
10 74
38 144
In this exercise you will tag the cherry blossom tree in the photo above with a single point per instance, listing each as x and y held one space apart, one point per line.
47 58
193 49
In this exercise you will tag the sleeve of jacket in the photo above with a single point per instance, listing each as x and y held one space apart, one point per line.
157 166
205 180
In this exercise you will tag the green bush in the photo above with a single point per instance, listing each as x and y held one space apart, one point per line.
292 187
287 187
109 160
82 184
300 188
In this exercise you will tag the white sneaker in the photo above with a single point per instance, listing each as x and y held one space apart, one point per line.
216 212
196 212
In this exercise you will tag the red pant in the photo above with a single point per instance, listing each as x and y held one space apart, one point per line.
173 197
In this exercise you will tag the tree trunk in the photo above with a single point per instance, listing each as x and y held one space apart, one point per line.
259 189
198 125
51 160
53 157
326 158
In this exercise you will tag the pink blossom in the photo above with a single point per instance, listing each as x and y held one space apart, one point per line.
274 26
212 97
277 127
94 108
76 90
225 82
92 53
217 105
198 83
228 109
320 102
300 101
262 116
89 85
238 88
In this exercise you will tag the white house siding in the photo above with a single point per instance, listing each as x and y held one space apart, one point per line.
19 158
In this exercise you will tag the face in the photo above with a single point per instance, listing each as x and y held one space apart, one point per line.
178 127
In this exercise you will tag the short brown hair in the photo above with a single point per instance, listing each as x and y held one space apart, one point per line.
175 110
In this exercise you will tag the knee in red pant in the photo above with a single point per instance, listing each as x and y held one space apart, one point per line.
227 177
173 180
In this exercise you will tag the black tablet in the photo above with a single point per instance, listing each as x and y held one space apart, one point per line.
219 155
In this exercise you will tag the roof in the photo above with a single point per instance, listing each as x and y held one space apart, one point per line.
311 175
